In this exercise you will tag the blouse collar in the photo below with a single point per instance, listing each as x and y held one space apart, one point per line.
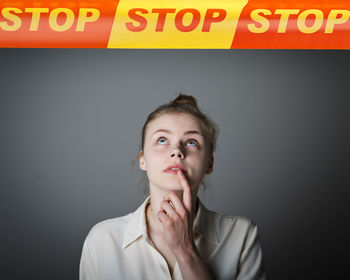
204 224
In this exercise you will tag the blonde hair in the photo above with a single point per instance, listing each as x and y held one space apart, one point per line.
185 104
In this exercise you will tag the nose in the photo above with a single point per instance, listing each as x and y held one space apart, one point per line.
178 152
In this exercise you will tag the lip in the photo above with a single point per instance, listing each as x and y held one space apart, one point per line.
167 170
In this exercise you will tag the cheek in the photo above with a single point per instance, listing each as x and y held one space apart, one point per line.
153 158
198 161
196 155
157 152
152 150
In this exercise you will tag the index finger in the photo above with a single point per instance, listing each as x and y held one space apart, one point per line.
187 196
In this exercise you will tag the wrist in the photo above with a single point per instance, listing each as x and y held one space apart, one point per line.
191 264
186 254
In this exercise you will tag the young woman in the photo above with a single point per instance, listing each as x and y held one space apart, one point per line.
172 235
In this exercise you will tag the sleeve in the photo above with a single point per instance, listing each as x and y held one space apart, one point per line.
88 267
251 266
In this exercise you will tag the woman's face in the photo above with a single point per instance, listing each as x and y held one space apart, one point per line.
172 139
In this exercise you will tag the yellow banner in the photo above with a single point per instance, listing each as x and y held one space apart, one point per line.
198 24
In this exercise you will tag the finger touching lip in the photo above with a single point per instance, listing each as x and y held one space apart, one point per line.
175 167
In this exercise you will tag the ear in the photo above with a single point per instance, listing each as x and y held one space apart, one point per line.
142 162
211 165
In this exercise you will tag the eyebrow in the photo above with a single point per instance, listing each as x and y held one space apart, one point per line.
187 132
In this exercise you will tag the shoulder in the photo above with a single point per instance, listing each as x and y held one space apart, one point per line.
229 221
115 231
233 226
108 230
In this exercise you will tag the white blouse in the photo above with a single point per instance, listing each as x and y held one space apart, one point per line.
121 249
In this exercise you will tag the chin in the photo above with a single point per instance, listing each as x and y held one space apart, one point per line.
173 188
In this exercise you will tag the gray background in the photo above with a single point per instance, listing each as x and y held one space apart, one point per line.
71 123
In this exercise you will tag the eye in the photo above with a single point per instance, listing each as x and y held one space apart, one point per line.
192 142
162 140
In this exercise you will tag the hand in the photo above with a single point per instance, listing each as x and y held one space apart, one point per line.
177 220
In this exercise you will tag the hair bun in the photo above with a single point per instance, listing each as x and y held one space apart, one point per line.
185 99
185 104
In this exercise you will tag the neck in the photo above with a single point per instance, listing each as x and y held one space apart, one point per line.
153 223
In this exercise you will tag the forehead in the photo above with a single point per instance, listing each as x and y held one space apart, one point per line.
176 122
